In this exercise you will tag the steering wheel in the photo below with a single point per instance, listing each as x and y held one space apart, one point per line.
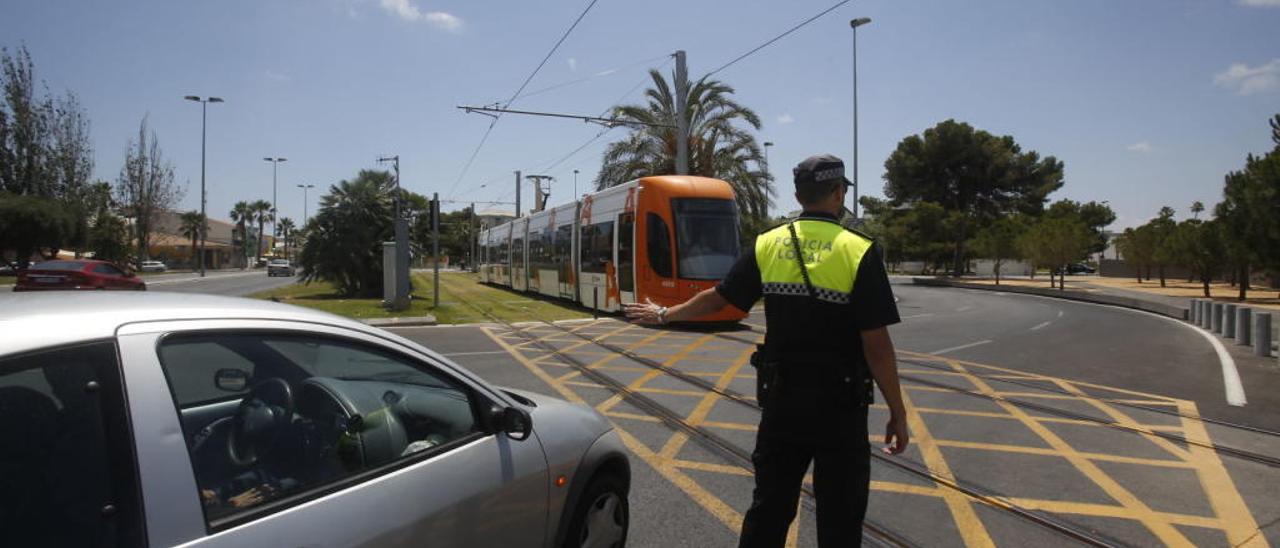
262 415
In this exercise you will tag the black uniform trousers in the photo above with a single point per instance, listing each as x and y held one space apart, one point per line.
841 480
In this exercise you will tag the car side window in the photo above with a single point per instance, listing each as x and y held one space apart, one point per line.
319 413
201 361
66 470
108 270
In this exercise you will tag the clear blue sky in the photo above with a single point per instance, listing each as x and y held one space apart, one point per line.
1149 102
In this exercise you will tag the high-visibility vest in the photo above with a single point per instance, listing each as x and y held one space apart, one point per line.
831 253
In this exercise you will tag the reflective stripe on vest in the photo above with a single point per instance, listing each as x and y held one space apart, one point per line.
831 255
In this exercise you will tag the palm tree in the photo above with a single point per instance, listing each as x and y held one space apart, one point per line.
717 147
285 227
261 214
242 214
191 223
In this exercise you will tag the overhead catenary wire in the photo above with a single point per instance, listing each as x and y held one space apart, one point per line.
778 37
471 160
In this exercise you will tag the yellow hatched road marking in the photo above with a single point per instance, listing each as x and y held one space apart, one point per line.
1053 453
1136 509
1240 527
1111 511
1127 421
967 522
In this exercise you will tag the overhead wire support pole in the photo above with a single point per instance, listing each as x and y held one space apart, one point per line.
517 194
682 118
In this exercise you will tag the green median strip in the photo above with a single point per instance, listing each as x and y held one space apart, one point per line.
454 288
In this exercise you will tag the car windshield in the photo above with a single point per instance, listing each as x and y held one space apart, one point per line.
280 262
706 237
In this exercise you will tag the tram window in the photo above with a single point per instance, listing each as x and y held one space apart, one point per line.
626 275
564 244
596 246
504 257
658 237
517 252
706 237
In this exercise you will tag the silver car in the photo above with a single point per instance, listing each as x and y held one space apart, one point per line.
163 419
279 267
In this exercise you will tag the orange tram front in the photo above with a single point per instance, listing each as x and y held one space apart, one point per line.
661 238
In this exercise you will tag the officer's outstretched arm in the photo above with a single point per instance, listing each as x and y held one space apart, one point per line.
707 301
878 348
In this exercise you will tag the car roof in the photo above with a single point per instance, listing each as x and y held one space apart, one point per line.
35 320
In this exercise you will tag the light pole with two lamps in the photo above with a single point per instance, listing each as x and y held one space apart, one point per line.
275 226
204 220
854 24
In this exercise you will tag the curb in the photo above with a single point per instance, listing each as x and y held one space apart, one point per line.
1175 312
407 321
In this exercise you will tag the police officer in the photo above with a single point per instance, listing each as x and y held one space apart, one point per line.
827 305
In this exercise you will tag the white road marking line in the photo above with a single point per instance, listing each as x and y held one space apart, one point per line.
1041 325
1230 375
452 354
964 308
926 314
1059 313
961 347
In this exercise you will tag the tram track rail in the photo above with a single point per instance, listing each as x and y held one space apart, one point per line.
1234 452
742 458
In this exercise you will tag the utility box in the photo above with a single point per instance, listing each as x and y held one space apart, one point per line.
395 285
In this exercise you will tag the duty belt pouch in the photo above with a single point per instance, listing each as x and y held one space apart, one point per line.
766 374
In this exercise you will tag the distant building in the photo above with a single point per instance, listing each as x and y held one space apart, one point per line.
169 245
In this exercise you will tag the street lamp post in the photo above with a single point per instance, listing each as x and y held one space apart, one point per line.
204 220
275 226
767 144
854 24
304 202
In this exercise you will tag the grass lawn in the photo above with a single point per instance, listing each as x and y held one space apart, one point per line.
454 287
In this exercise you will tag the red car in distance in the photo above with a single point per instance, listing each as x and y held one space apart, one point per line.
77 274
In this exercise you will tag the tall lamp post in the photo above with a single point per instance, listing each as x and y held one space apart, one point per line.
204 220
854 24
304 202
767 144
275 226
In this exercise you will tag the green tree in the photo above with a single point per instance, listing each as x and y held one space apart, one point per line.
999 241
1197 207
31 224
1198 245
242 215
1138 245
1164 251
109 238
285 227
344 238
1248 216
719 146
190 224
1093 215
146 187
972 173
261 215
1055 242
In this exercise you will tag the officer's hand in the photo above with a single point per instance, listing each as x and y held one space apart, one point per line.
896 437
642 313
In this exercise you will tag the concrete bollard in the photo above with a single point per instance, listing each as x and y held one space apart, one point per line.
1262 334
1206 314
1229 321
1193 315
1244 325
1217 317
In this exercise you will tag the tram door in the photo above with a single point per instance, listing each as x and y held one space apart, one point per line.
626 258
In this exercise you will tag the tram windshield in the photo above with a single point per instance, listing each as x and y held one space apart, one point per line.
706 237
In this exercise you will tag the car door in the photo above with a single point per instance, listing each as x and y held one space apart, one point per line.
112 277
385 446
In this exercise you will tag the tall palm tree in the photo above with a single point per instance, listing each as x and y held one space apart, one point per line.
285 227
242 214
191 223
718 146
261 214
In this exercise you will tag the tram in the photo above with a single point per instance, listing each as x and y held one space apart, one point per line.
660 239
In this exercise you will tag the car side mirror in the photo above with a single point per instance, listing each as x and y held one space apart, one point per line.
231 380
516 423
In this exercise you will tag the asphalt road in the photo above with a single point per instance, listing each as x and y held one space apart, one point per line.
231 283
1089 345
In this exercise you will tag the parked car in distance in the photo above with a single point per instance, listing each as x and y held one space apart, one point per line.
167 419
154 266
1080 268
279 267
77 274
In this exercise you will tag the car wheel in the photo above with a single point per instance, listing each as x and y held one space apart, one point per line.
602 516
